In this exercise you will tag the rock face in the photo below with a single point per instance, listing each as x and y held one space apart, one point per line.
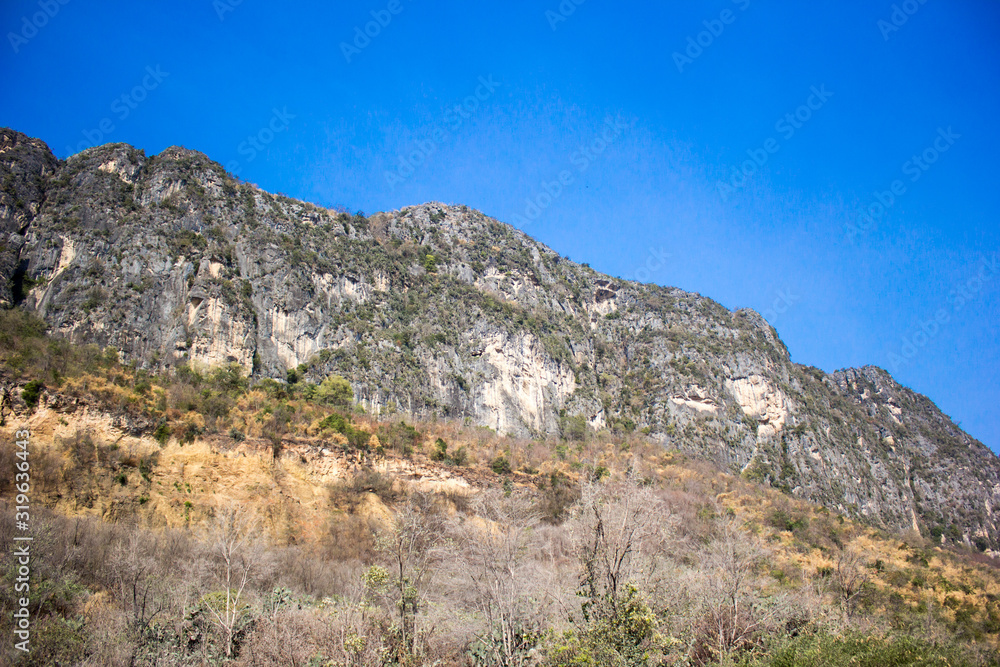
439 310
761 401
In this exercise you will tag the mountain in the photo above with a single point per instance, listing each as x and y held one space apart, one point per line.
438 310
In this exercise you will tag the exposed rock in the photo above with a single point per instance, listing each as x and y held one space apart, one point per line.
440 310
760 400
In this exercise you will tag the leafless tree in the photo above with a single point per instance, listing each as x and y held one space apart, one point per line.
851 577
621 529
412 546
734 613
136 578
494 551
234 547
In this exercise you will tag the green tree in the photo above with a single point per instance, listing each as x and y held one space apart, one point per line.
335 391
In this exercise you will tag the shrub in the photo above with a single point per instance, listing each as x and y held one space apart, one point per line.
500 465
440 452
32 392
162 433
337 423
400 437
823 650
335 391
442 455
367 480
558 496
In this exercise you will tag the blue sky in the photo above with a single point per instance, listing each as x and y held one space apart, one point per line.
834 104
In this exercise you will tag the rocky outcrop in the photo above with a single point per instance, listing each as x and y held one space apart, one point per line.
438 310
26 169
759 400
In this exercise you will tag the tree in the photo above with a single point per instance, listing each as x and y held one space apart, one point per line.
733 613
621 528
335 391
493 559
851 577
411 546
235 552
136 579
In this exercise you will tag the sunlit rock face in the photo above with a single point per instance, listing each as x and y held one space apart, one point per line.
440 311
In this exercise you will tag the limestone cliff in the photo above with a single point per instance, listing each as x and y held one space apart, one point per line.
441 310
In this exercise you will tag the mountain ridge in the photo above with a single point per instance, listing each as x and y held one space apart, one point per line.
436 310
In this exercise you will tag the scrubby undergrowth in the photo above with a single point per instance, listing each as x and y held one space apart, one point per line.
195 519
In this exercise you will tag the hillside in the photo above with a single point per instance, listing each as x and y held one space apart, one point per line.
438 311
189 519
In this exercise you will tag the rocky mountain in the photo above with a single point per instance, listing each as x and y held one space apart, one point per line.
438 310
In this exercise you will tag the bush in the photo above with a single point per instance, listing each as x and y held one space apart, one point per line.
823 650
558 496
32 392
440 452
162 433
782 519
368 480
337 423
400 437
500 465
335 391
573 427
442 455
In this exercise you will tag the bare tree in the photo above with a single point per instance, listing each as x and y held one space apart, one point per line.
734 613
621 527
412 547
136 578
235 553
851 577
622 531
494 549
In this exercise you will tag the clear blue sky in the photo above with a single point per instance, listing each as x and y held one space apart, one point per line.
778 241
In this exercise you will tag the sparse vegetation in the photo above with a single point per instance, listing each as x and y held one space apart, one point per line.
191 515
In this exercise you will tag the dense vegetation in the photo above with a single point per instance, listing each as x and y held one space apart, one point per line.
592 549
